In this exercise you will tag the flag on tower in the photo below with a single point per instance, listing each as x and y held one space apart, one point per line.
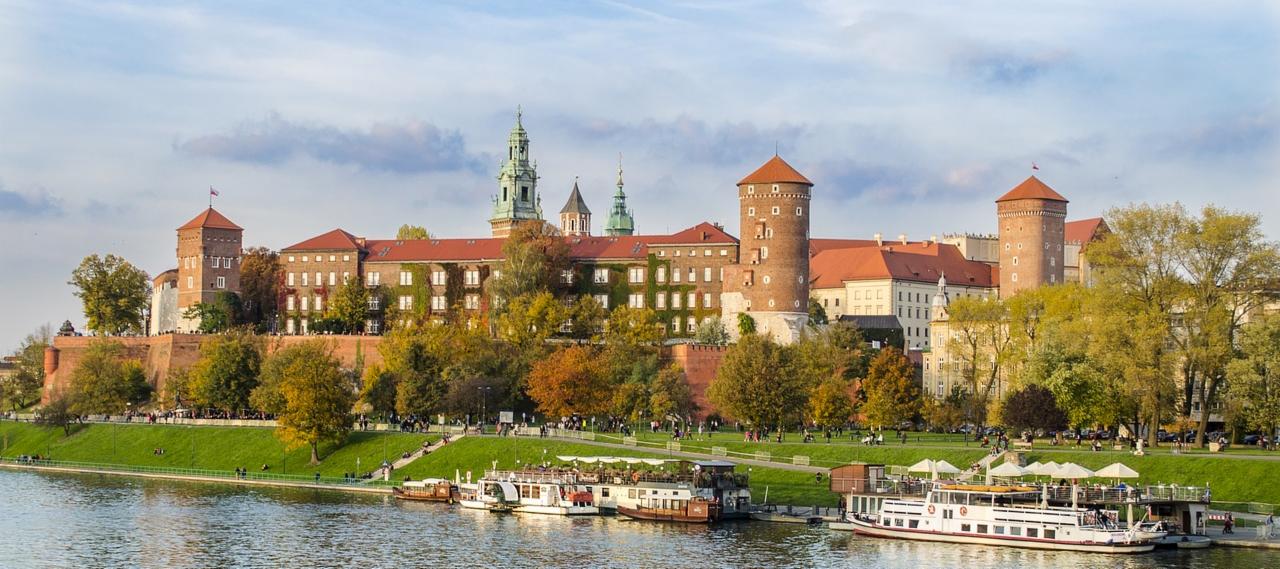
213 192
1033 167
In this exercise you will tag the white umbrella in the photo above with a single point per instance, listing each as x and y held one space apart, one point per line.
1117 470
567 458
1031 468
1008 470
925 465
1046 469
1072 471
944 467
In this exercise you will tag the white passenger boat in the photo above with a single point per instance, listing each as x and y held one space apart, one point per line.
490 495
1015 516
533 492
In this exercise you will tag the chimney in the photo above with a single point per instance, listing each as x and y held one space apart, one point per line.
903 238
933 239
879 240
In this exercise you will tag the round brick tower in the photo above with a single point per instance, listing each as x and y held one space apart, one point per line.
771 280
1032 218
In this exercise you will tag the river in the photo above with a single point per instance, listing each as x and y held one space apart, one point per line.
66 520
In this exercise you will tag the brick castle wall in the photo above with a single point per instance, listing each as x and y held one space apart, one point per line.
700 363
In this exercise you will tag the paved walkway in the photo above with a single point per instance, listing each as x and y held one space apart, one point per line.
687 454
415 455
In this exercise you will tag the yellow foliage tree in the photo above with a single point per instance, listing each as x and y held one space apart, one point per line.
317 398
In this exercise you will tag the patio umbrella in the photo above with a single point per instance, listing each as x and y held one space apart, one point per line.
1117 470
1008 470
1046 469
925 465
944 467
1072 471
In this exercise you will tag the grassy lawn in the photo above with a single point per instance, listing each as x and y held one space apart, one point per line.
209 448
1232 480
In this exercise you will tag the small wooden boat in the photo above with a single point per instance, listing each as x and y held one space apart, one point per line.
692 511
429 490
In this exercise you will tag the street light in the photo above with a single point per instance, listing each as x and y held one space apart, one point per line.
484 405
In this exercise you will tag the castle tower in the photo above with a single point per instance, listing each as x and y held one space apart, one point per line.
1032 218
621 221
517 200
770 283
209 248
575 217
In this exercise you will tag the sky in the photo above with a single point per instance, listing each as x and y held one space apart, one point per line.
909 117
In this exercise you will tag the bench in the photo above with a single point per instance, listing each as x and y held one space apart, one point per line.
1023 445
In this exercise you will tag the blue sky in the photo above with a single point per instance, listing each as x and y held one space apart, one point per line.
115 117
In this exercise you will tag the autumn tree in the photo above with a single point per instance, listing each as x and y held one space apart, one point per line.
982 345
407 231
316 395
349 306
757 384
534 256
830 406
586 318
669 394
1032 407
106 381
417 358
570 380
835 351
892 395
23 387
633 327
378 390
115 294
261 287
946 413
227 372
57 413
1255 375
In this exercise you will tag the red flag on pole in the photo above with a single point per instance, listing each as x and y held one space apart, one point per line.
1033 167
213 192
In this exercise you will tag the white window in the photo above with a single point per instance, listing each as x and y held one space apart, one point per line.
319 280
406 302
566 277
724 252
345 277
221 282
439 278
693 275
306 301
600 276
473 302
333 258
289 279
304 325
288 326
636 300
637 274
406 278
764 252
799 211
471 277
662 253
305 276
766 279
675 326
290 258
1013 277
438 303
216 261
497 273
693 252
660 301
692 325
776 210
304 258
706 300
751 189
693 300
706 274
319 303
768 233
706 252
675 274
375 302
373 279
775 188
603 299
288 303
1015 260
191 282
662 274
675 300
346 258
333 278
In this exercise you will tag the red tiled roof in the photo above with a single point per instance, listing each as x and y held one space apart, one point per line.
701 233
921 262
775 170
1083 230
336 240
406 250
210 218
1032 188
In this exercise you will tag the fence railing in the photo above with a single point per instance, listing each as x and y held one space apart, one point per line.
194 472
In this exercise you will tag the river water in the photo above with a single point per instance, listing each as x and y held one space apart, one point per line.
62 520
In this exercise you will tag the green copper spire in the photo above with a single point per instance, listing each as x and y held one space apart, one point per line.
621 221
517 198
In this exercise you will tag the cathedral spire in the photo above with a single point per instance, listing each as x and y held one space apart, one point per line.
517 200
621 220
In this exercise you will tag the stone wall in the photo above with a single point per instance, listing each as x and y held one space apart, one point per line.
163 354
700 363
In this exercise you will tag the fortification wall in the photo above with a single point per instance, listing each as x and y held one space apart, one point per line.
700 363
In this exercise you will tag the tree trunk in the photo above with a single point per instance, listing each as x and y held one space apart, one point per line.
315 454
1207 395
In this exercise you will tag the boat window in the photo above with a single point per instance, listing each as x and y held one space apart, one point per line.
1050 533
604 492
631 493
966 528
999 530
897 522
982 528
1033 532
1015 530
913 524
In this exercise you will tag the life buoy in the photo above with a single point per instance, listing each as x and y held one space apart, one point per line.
964 511
931 509
635 476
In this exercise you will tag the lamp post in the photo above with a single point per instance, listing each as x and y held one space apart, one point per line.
484 405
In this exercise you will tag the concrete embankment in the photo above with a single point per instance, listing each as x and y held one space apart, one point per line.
248 480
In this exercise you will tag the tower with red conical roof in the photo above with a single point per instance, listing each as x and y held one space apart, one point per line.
1032 218
209 248
770 282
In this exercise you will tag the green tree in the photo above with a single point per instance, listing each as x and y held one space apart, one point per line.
1032 407
946 413
24 386
586 318
317 398
890 388
227 372
633 327
817 314
379 390
349 305
407 231
57 413
106 381
982 345
220 315
712 332
757 385
115 294
261 287
746 324
670 396
417 356
534 255
1079 388
830 406
1255 374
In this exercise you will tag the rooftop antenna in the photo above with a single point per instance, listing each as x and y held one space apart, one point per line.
775 148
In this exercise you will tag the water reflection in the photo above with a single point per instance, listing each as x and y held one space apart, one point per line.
90 521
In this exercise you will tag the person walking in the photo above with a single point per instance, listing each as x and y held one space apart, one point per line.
1228 523
1271 524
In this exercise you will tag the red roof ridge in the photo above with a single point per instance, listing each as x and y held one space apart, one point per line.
1032 188
335 239
775 170
212 219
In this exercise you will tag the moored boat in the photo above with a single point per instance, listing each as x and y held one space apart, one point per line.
1014 516
428 490
533 492
682 509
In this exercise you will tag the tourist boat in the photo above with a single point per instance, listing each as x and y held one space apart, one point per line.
531 492
683 509
635 484
1016 516
428 490
489 495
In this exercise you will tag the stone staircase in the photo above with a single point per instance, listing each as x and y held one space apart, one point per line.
401 462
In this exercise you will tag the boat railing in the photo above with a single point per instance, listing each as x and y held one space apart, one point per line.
890 486
1126 494
549 477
